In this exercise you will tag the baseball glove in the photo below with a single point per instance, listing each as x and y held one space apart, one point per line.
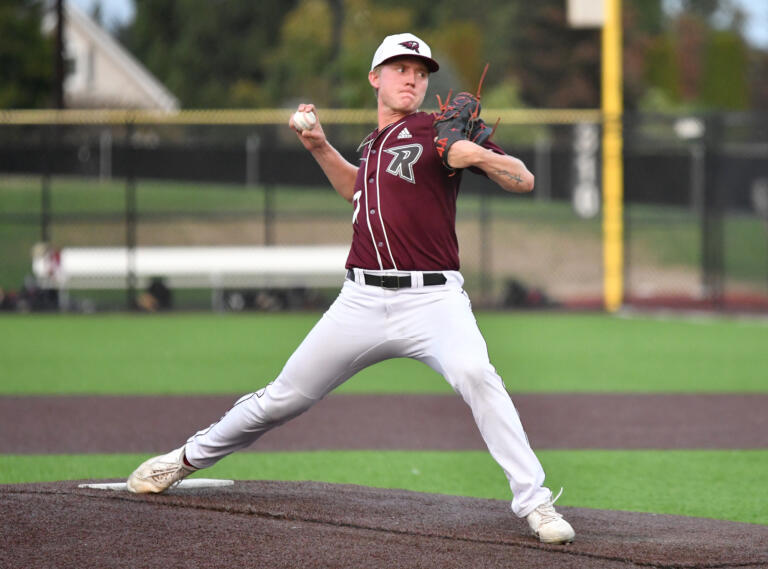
459 119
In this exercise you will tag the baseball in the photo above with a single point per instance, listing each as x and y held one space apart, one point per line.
304 120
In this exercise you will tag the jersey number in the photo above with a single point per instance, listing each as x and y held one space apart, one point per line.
356 201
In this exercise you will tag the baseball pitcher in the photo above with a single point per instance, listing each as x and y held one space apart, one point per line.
403 294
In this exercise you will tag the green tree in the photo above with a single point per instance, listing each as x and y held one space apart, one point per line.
696 66
647 54
26 56
208 53
725 72
558 66
706 9
306 64
299 65
465 36
661 75
643 17
689 38
759 81
220 53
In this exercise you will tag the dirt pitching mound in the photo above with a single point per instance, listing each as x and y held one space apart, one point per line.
310 524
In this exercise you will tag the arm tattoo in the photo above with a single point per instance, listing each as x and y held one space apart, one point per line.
510 175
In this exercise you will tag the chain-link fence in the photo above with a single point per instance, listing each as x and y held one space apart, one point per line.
696 210
696 195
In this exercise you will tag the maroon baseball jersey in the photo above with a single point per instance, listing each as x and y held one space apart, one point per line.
405 201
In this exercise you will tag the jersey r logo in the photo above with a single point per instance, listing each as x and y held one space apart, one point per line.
404 159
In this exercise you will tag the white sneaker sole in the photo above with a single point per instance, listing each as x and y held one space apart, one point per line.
560 540
138 486
566 535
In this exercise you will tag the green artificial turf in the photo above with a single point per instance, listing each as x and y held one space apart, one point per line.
720 484
233 354
209 353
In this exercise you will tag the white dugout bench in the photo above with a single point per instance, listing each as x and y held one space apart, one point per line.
215 268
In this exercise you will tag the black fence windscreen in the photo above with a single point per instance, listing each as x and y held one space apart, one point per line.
695 207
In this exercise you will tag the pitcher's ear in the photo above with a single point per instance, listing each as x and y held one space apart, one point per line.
373 78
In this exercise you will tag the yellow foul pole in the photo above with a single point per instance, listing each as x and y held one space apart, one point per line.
613 169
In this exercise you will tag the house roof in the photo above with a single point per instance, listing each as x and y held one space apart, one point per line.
156 94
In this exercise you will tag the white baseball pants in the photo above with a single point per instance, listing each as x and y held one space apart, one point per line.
368 324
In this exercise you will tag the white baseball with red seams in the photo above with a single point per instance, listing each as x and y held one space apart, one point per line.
304 120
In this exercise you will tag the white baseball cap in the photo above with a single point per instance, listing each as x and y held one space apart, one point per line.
404 44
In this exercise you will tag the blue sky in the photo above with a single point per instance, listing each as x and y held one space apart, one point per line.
113 11
756 28
116 11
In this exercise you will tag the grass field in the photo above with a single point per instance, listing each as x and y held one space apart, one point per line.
687 482
209 353
233 354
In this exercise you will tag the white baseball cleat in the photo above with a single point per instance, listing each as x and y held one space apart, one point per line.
159 473
548 525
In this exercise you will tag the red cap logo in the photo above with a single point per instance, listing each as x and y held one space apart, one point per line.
412 45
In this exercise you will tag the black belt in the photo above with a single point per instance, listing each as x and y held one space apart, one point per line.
396 281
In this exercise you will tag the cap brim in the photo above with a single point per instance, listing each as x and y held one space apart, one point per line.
431 64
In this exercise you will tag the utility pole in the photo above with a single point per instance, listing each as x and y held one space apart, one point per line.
58 87
51 134
337 25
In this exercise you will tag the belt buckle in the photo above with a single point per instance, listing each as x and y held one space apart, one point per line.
386 281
